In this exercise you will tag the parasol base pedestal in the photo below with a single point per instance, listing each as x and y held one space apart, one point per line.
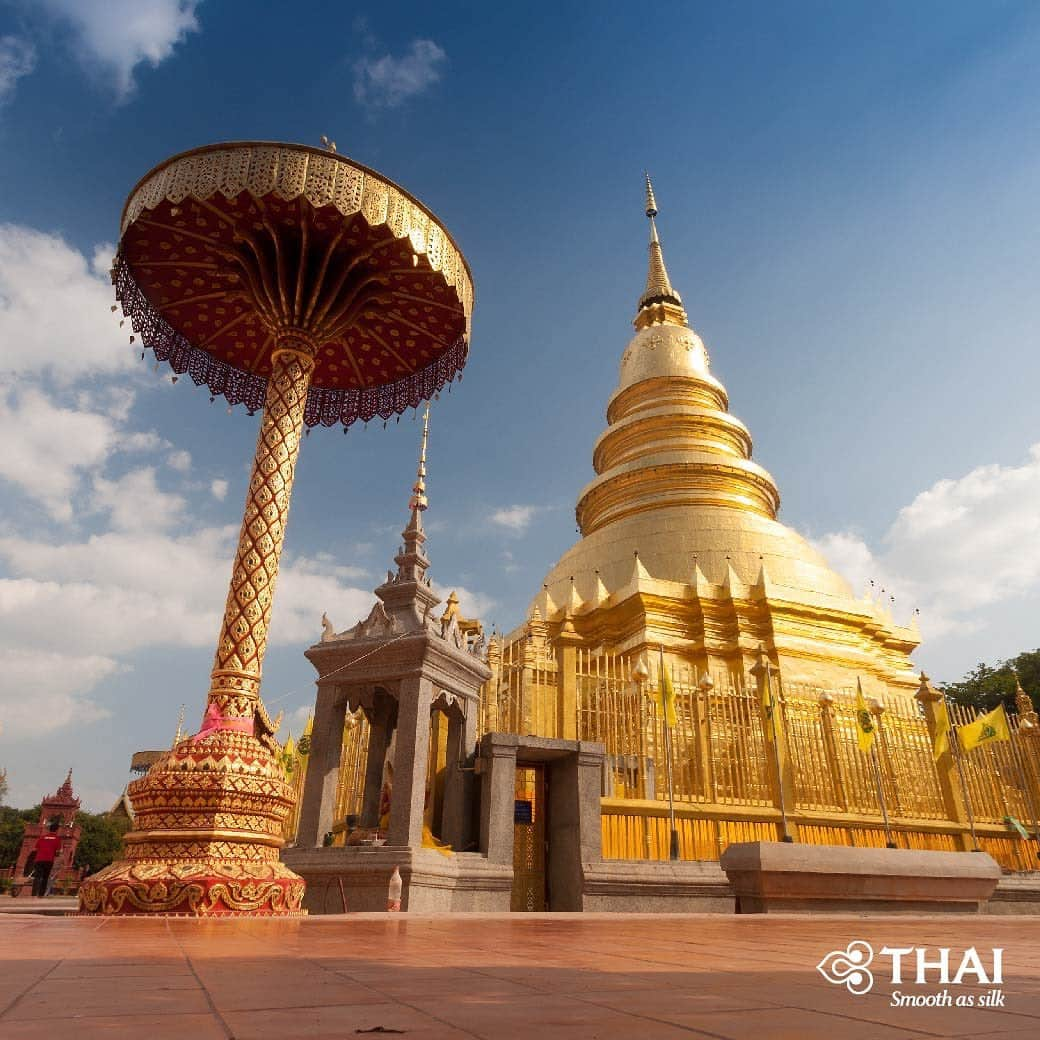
208 824
197 889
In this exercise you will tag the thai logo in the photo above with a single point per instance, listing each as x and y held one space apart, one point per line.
849 967
866 723
987 732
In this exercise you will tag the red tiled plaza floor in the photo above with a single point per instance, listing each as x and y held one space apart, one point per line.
541 976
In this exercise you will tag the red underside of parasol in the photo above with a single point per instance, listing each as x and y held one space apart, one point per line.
188 304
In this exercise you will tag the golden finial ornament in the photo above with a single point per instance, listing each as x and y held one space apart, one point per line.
660 304
651 201
419 500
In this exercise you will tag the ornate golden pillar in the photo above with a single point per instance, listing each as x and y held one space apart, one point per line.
566 645
234 691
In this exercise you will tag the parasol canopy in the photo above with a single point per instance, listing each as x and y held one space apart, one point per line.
229 249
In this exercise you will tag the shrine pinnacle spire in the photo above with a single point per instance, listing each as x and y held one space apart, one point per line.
660 304
418 501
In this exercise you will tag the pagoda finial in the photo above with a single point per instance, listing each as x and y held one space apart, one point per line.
660 304
651 202
418 500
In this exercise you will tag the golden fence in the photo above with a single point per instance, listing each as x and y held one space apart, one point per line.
733 765
727 774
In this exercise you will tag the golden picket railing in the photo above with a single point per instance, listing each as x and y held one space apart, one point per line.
725 778
728 775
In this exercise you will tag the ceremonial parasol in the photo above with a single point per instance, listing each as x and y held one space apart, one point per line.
293 280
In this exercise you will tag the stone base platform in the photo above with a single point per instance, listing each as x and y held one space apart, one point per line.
656 887
772 876
1016 894
355 879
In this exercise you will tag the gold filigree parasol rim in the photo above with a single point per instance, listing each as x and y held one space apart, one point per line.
254 209
321 153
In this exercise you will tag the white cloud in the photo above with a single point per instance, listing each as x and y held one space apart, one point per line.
55 310
47 448
118 35
514 518
134 501
44 691
295 721
387 82
219 489
179 460
137 586
17 59
959 547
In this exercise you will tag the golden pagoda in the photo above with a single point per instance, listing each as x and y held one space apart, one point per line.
685 581
680 543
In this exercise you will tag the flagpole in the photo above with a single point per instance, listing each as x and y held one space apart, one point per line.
673 843
1025 788
890 844
955 750
776 754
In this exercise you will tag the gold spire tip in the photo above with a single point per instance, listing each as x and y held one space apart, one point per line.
651 202
419 500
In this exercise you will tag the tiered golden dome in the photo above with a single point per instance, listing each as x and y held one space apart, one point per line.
679 510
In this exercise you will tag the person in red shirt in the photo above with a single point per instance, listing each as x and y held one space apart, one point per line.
47 847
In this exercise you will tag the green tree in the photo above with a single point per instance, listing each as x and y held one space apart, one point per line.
986 686
12 830
101 840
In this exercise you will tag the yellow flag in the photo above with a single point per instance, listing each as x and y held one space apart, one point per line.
664 696
865 729
986 728
768 707
942 734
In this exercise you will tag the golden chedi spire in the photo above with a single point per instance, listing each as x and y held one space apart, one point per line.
660 304
670 440
677 492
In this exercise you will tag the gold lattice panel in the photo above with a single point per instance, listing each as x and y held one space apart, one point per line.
529 840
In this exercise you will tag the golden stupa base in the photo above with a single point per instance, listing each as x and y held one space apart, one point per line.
208 820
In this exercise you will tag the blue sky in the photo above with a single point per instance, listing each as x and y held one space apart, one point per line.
848 207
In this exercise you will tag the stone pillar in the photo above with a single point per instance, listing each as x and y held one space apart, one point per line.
566 644
410 759
935 712
459 786
319 791
590 762
497 795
